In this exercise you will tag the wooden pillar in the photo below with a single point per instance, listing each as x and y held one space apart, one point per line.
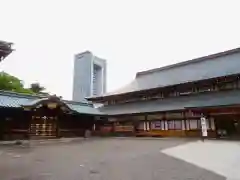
148 126
57 126
166 124
145 126
185 118
165 121
2 127
162 125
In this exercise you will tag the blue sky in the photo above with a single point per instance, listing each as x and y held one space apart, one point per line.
133 35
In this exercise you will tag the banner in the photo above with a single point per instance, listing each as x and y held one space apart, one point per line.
204 126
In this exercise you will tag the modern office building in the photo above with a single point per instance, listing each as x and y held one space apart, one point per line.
89 78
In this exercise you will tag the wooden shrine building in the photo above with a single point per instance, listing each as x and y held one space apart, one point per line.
29 116
169 101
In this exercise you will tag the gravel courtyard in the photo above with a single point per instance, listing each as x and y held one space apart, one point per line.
99 159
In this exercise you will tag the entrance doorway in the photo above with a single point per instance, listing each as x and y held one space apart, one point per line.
45 117
44 126
228 126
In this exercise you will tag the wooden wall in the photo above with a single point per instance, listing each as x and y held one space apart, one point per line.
14 124
170 124
74 125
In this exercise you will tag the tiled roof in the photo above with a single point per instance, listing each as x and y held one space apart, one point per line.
17 100
188 71
33 101
83 108
210 99
6 101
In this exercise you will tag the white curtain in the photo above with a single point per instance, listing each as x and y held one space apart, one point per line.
193 124
183 125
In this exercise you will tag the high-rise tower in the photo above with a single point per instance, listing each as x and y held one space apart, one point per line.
89 78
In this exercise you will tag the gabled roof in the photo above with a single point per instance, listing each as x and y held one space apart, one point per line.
216 65
18 100
211 99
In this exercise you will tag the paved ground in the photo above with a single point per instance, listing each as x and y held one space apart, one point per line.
100 159
221 157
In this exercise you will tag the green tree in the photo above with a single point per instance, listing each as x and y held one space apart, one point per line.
37 88
12 83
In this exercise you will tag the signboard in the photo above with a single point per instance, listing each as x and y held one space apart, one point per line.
52 105
204 126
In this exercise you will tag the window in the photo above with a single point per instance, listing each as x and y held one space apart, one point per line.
174 125
172 94
185 90
194 124
112 102
229 85
158 96
204 89
170 125
141 126
185 93
156 125
178 125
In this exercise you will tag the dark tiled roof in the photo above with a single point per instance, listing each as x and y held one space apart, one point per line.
17 100
7 101
212 66
177 103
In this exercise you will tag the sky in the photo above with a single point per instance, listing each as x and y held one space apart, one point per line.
132 35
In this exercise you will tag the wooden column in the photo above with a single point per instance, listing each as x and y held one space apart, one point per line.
145 127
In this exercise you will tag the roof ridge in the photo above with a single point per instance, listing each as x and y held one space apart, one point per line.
20 95
78 103
32 96
194 60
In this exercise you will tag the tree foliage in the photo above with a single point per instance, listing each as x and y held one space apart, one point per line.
36 88
12 83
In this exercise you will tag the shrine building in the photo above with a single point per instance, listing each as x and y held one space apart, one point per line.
169 101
